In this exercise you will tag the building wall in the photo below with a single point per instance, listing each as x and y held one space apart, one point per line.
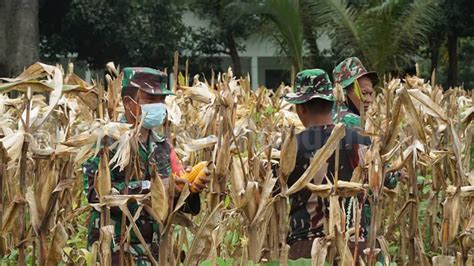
261 58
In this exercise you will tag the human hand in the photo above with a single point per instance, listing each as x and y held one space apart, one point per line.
403 175
178 183
201 181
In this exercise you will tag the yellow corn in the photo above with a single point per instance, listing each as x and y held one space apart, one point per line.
195 172
198 180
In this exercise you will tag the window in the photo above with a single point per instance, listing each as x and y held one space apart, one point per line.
274 77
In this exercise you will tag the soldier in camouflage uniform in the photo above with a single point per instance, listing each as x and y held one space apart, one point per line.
147 87
314 99
345 74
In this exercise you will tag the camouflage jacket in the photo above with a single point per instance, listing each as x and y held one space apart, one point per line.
158 150
308 213
346 116
352 120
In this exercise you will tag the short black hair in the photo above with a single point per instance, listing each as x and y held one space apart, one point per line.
318 106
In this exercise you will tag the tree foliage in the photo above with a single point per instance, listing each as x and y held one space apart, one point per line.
144 32
285 16
384 34
224 34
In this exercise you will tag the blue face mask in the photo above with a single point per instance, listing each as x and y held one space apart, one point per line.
155 114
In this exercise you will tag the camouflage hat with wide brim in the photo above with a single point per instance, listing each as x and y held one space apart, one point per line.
146 79
311 84
351 69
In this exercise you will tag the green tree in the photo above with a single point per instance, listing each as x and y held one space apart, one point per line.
457 21
224 34
286 17
448 51
145 32
386 35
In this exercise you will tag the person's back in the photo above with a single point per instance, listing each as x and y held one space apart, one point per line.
314 100
308 212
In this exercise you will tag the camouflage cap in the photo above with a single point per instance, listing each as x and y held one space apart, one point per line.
351 69
310 84
147 79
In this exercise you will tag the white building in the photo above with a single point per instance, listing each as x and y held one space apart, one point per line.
260 58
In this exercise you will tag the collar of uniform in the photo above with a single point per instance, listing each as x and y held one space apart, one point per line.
157 137
153 138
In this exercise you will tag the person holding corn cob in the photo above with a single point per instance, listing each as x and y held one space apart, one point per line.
143 95
314 99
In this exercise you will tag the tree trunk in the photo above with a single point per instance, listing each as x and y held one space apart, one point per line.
310 37
18 22
4 16
434 54
234 54
453 59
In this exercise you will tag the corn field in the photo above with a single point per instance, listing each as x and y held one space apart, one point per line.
56 121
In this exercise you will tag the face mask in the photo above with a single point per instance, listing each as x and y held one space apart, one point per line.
155 114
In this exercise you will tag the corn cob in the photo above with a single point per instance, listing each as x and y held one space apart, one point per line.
195 172
202 174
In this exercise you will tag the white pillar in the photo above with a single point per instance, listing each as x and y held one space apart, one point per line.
88 75
171 81
254 72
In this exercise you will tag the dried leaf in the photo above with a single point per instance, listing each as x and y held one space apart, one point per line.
57 244
319 251
35 71
13 144
265 200
288 158
443 260
103 180
138 233
237 181
413 117
319 159
46 185
202 241
35 218
105 239
11 214
193 145
430 107
159 196
223 156
344 189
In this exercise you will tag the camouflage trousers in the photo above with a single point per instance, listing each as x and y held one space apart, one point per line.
134 252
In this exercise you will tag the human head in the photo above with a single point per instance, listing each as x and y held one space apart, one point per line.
350 70
312 95
142 85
